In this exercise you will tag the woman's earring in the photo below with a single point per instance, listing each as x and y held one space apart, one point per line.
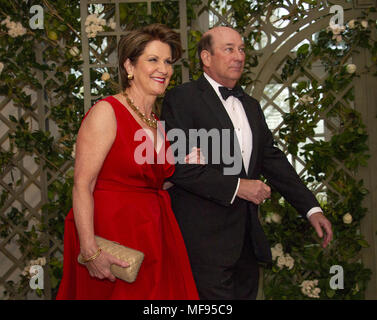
130 76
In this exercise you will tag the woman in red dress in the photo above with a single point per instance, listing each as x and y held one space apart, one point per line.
118 193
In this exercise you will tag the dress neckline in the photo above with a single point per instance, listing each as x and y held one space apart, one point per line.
141 127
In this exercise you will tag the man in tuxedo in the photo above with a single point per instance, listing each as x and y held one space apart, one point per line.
218 212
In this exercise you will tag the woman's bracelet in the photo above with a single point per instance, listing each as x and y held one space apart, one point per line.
94 256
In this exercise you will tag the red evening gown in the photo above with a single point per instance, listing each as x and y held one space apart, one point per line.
131 208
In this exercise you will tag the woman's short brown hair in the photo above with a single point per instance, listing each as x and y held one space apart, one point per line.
132 46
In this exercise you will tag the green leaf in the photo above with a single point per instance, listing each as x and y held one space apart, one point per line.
363 243
39 292
304 49
301 86
330 293
13 119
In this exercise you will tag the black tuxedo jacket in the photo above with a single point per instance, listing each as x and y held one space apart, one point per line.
213 229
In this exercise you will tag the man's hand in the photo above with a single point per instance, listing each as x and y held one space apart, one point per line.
319 221
195 157
167 185
253 190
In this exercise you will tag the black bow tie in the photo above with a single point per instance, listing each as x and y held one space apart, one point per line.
226 93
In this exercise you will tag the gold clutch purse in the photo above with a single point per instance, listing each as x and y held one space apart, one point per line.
133 257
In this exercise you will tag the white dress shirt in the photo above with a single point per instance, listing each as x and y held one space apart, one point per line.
237 115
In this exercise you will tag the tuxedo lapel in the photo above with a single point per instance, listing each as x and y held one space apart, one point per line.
214 103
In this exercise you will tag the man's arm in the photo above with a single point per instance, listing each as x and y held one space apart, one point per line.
202 180
281 175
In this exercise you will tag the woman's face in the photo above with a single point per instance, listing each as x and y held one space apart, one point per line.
153 69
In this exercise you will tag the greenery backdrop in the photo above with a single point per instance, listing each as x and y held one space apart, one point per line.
301 267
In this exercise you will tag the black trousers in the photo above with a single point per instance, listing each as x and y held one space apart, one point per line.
236 282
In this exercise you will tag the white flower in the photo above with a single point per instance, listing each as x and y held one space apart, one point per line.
94 24
289 261
92 18
101 22
74 51
281 261
305 99
347 218
316 292
308 288
336 29
351 68
15 29
1 67
276 218
112 24
26 272
105 76
277 251
364 24
351 24
73 154
33 273
272 217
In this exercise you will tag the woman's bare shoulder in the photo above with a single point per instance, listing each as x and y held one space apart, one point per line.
101 113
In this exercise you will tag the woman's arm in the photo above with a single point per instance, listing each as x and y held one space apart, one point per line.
95 138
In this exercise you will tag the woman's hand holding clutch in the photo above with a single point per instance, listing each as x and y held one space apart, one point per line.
99 267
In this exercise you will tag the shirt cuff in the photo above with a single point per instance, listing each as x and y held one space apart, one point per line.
313 210
238 186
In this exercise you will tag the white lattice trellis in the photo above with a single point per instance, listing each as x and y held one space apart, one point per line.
89 95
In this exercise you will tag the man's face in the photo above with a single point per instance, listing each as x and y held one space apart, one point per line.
226 63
